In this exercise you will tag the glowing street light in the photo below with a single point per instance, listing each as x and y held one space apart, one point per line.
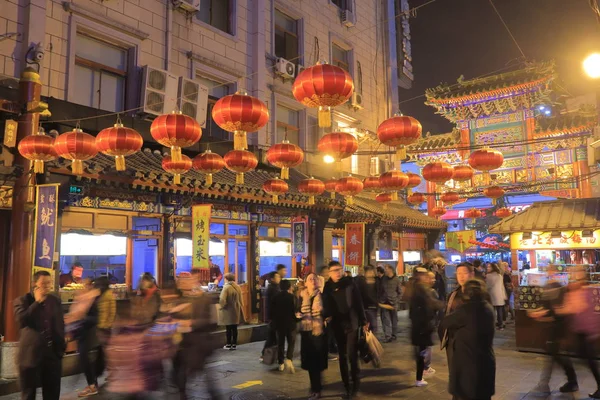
327 159
591 65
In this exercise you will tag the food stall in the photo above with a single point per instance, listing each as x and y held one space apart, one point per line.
563 234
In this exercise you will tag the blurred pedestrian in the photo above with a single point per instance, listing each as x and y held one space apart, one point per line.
230 312
495 286
107 313
145 308
478 269
472 371
508 286
391 293
284 316
370 291
41 340
272 290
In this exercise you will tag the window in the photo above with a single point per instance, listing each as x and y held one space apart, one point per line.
287 125
375 166
286 37
100 74
340 57
216 90
354 164
343 4
217 13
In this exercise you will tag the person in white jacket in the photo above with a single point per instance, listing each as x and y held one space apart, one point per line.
495 286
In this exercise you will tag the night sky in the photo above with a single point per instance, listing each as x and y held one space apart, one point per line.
451 38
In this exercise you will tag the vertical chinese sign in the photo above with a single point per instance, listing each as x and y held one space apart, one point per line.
384 243
299 237
46 219
201 238
354 245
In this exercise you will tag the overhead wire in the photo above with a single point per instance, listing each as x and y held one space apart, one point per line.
508 29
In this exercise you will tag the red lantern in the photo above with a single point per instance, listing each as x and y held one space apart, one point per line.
384 198
240 162
503 213
37 148
438 172
119 142
462 173
393 181
175 130
438 211
208 163
275 187
311 187
330 185
177 168
414 180
285 155
494 193
450 198
323 86
76 146
399 131
240 113
371 183
473 213
338 145
486 160
349 187
416 198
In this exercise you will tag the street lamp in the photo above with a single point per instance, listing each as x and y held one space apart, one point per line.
591 65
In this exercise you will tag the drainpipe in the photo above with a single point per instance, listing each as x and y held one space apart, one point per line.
169 36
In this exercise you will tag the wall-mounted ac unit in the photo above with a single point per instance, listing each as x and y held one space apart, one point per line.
159 91
285 68
193 100
188 5
299 68
357 101
348 18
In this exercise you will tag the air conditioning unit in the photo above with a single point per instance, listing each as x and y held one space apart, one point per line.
357 101
299 68
159 91
188 5
348 18
193 100
285 68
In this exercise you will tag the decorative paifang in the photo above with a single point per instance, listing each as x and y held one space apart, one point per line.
285 155
76 146
175 130
312 187
240 162
399 131
208 163
38 148
275 187
119 141
177 168
323 86
514 134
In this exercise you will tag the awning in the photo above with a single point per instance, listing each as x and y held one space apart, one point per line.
559 215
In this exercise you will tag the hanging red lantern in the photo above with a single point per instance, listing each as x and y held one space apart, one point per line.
37 148
311 187
399 131
323 86
437 212
76 146
119 142
241 114
240 162
175 130
450 198
371 184
416 198
338 145
462 173
414 180
438 172
503 213
494 193
275 187
349 187
392 181
208 163
486 160
330 185
177 168
473 213
384 198
285 155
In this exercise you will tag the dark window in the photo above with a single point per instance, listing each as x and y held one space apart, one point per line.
286 37
359 80
340 57
217 13
343 4
288 125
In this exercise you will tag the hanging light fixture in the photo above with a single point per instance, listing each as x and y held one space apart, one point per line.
177 168
275 187
175 130
76 146
208 163
240 162
399 132
37 148
119 142
285 155
311 187
349 187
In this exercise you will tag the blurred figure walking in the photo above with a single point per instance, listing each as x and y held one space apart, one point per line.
370 292
391 293
284 316
230 312
495 286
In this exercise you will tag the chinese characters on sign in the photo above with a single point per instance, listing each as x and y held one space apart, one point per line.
200 235
384 243
44 241
567 241
355 245
299 238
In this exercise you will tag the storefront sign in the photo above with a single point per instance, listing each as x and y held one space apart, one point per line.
200 235
460 214
10 133
459 240
384 243
544 241
44 237
299 237
354 245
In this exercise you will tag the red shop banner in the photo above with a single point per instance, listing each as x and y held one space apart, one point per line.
354 248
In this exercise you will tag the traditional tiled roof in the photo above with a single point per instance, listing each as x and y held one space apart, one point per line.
424 150
565 124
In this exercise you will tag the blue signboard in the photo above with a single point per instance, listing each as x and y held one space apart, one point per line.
46 218
299 238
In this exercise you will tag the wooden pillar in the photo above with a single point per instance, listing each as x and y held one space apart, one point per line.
431 187
581 170
465 140
514 259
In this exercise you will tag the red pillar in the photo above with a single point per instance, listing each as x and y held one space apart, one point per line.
431 188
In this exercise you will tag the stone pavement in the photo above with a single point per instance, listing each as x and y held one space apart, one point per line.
517 373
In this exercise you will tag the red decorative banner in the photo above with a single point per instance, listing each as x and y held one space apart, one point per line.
354 248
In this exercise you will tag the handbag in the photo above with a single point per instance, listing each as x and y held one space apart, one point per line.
375 349
270 355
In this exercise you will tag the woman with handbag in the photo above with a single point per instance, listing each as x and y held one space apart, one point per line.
313 351
230 312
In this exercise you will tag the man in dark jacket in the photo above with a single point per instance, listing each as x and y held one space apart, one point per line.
344 310
370 291
42 339
272 290
284 318
391 293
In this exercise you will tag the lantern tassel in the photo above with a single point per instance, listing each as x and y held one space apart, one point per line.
332 195
285 173
324 116
77 167
385 206
349 200
176 154
240 140
311 200
209 180
486 177
275 199
394 196
38 166
239 178
409 192
494 201
400 154
177 179
120 163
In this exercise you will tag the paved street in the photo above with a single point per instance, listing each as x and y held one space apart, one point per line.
517 374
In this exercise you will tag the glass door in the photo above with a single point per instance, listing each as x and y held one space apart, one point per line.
145 258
